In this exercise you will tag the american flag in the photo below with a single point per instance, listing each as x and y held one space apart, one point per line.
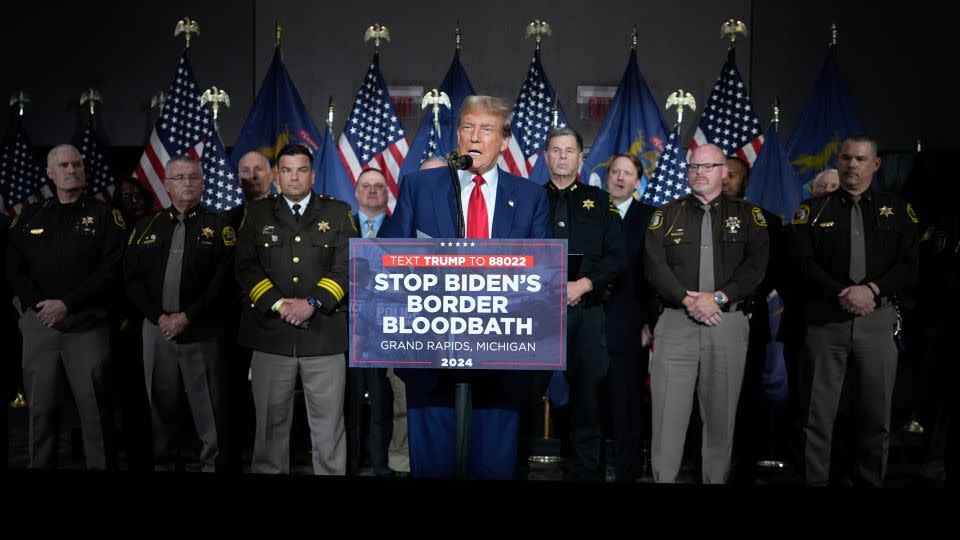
669 180
373 136
184 126
532 119
221 189
22 179
728 120
100 178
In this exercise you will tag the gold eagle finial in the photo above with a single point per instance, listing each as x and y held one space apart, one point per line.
188 27
731 28
376 32
538 29
215 97
19 98
157 101
681 100
434 98
91 96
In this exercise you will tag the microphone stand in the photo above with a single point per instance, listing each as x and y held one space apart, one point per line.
462 395
455 180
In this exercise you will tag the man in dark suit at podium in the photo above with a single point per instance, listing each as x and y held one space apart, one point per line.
495 205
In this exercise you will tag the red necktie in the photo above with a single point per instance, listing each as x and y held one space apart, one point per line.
477 226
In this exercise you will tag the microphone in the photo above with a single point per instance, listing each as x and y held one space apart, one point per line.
462 163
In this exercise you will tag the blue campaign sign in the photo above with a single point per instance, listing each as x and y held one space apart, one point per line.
458 304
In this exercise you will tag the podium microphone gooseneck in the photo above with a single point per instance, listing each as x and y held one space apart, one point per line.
456 163
462 396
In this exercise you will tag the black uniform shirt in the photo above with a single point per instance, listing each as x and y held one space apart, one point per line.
740 248
207 263
594 230
821 239
69 252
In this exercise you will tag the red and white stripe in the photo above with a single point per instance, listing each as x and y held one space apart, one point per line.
513 160
748 153
150 169
388 162
39 195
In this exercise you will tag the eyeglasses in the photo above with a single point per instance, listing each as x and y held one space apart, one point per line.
694 167
184 178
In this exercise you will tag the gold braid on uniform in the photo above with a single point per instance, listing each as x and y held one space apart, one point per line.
257 291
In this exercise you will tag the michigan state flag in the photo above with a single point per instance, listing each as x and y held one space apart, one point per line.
827 119
278 118
633 124
428 142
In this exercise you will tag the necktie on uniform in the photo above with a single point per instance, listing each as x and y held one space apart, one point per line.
706 250
171 277
477 225
296 212
858 253
561 216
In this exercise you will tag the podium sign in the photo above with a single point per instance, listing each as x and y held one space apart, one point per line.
458 303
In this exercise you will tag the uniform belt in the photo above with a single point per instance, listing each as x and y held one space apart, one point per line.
734 306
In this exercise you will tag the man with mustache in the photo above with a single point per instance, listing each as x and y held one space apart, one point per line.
705 255
175 266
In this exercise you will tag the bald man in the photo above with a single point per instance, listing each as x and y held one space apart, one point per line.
705 254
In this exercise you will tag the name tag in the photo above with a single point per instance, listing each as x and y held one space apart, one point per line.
826 224
36 231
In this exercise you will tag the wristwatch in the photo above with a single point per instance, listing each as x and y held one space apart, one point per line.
313 302
719 298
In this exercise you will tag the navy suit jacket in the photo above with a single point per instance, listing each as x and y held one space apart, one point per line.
426 205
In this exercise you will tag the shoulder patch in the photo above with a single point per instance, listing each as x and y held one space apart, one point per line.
941 241
758 217
911 214
229 236
802 215
132 234
656 221
118 219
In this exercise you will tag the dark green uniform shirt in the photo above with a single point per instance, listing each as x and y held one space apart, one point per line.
740 248
278 257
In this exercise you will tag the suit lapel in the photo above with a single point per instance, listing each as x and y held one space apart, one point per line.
383 224
444 207
505 207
